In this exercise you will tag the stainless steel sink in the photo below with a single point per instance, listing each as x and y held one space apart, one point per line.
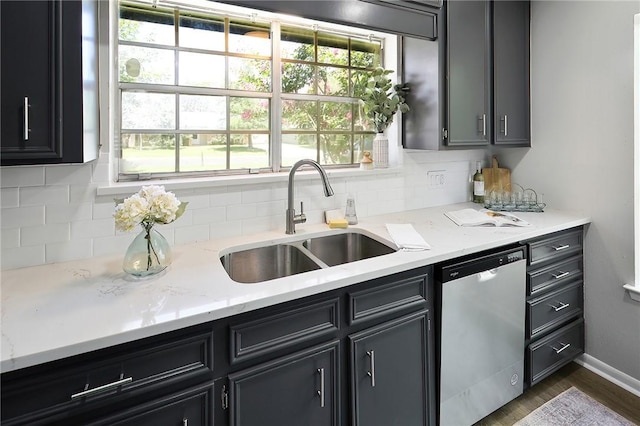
344 248
266 263
253 265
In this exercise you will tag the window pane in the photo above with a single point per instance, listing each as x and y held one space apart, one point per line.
201 70
249 151
361 143
298 78
333 49
333 81
203 112
296 147
335 116
142 110
250 74
250 38
296 43
362 123
146 25
299 115
147 153
249 114
199 152
365 54
201 33
146 65
359 82
335 149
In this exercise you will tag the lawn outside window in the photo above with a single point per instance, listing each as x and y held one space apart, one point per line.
205 93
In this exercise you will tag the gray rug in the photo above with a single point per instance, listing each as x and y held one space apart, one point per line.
573 408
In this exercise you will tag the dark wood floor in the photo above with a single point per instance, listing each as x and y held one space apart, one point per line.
619 400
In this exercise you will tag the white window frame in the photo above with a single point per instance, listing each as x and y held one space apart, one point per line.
390 55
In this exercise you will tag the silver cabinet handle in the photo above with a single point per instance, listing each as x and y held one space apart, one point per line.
483 118
185 422
560 275
560 307
562 247
564 346
321 391
102 388
506 128
372 371
26 130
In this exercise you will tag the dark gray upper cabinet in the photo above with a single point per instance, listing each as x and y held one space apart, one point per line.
512 124
49 110
468 73
416 18
390 375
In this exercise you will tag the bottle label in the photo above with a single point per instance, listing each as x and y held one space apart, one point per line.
478 188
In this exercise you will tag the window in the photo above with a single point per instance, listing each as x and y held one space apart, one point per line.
205 93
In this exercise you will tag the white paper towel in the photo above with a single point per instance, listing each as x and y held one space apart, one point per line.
406 237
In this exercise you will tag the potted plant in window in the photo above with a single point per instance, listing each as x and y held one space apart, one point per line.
380 101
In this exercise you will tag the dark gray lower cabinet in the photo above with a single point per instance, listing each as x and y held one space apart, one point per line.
390 373
301 388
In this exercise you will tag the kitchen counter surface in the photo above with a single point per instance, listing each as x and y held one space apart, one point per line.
59 310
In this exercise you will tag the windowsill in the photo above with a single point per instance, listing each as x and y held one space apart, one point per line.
634 291
121 188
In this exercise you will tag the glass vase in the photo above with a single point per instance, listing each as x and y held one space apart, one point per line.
148 254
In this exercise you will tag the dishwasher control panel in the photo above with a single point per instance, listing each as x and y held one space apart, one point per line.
480 263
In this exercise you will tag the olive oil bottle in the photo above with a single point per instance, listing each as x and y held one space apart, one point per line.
478 185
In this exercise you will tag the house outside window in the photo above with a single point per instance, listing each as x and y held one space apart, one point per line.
209 93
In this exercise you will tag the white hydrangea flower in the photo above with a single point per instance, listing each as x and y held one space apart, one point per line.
131 212
152 204
163 207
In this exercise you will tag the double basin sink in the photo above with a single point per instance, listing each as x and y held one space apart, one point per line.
277 260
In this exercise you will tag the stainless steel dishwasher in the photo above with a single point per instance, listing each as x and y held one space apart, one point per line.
480 333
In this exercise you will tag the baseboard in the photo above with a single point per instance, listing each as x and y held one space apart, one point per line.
617 377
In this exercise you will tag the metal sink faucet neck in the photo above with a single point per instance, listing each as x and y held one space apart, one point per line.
292 217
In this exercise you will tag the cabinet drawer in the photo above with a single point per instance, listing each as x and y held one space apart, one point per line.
554 275
33 397
558 245
191 407
555 350
274 332
553 309
392 298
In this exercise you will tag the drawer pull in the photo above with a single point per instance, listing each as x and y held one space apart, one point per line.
560 274
561 307
185 422
564 346
26 129
321 391
562 247
372 372
102 388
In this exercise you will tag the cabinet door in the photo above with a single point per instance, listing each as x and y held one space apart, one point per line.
391 373
31 68
300 388
468 73
511 73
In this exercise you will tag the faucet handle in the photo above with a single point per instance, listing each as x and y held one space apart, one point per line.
301 208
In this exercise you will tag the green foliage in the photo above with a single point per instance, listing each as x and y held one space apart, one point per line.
381 99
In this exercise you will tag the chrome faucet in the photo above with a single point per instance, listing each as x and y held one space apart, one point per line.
292 217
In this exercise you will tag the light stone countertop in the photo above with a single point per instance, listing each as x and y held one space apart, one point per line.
63 309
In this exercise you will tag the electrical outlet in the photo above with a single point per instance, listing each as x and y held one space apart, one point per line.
436 178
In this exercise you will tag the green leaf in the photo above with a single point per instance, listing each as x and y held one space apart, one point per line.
181 208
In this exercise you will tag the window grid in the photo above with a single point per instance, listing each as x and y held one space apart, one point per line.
273 131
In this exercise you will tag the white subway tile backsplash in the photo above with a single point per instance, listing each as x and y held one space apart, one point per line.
13 177
225 229
19 217
43 234
67 213
44 195
208 215
81 229
10 197
224 198
10 238
118 244
271 208
241 211
69 174
70 250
